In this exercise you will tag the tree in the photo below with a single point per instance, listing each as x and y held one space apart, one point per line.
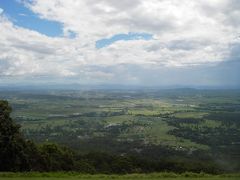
56 158
12 144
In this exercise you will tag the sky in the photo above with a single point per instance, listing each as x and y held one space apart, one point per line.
138 42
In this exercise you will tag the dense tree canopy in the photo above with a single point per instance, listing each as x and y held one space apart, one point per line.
12 145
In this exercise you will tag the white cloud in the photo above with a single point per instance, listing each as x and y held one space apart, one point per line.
186 33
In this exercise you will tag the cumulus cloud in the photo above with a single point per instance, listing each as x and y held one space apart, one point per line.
185 34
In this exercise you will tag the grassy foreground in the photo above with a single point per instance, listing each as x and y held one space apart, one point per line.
152 176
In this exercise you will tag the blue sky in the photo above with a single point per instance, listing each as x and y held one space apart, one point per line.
23 17
120 42
124 37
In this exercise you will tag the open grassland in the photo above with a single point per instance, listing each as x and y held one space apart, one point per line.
153 176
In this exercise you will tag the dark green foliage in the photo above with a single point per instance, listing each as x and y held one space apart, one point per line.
13 156
56 158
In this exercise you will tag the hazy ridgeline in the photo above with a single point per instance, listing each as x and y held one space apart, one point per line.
120 131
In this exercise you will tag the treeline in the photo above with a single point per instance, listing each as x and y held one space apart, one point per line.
19 154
